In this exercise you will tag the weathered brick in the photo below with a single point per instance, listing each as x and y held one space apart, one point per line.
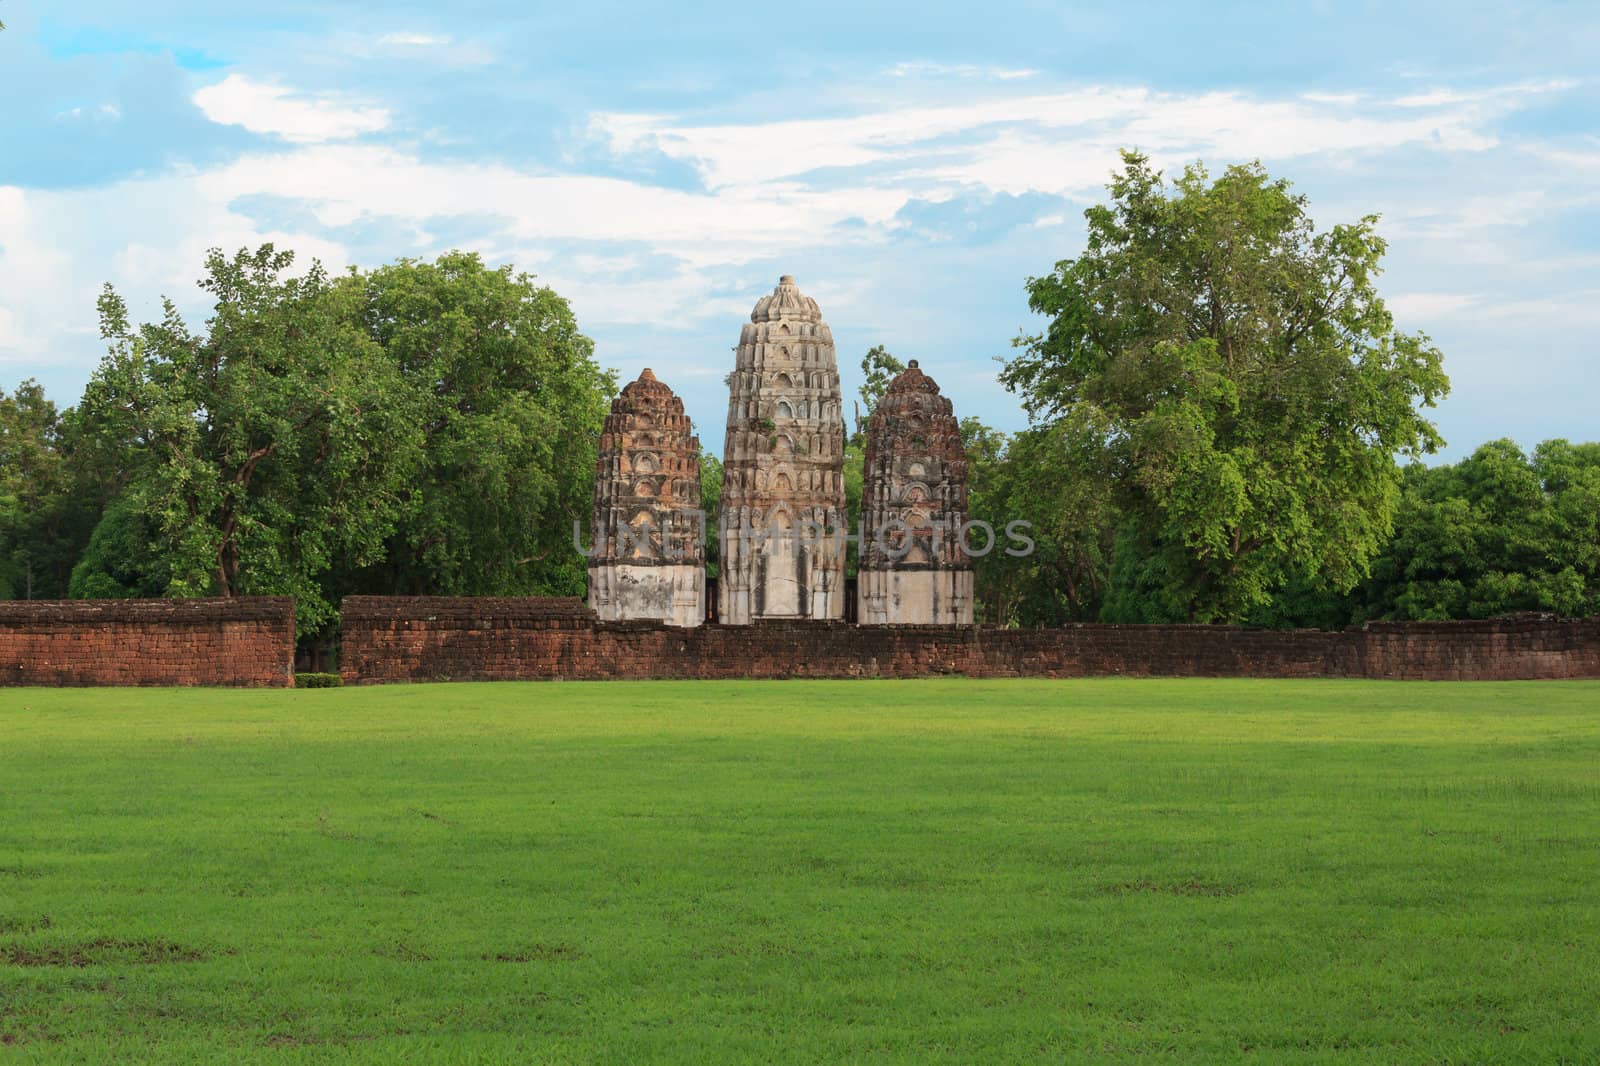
237 642
440 638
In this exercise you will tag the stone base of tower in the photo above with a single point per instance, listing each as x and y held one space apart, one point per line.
914 597
675 595
777 596
779 580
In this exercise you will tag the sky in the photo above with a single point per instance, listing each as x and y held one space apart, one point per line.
660 165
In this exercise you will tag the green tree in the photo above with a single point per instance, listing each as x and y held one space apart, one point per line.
855 479
1036 478
120 561
1496 533
262 451
509 404
37 541
1236 378
711 505
878 368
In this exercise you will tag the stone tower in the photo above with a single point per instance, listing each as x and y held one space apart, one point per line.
783 512
913 570
649 554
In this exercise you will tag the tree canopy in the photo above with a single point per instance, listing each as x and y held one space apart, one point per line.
266 448
34 487
1497 533
507 403
1233 375
419 428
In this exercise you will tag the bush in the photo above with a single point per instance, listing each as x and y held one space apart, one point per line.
317 681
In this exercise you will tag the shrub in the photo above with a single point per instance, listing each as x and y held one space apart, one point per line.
317 681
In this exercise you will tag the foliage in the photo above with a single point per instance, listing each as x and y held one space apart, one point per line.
1181 871
121 560
509 403
711 507
878 369
855 477
267 448
421 428
1235 377
1039 478
1498 532
316 680
54 484
41 529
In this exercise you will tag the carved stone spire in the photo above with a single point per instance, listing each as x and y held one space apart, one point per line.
783 468
914 501
649 557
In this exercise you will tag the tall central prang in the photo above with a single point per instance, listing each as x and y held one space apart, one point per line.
783 510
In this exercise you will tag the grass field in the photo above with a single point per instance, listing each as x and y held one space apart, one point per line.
803 871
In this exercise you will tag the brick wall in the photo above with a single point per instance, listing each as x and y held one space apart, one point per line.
425 639
245 642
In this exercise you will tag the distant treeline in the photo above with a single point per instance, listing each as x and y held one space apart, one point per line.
1225 425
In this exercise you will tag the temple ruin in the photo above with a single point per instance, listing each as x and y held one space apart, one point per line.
648 557
914 502
783 508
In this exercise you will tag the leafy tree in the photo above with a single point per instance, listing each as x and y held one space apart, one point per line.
120 561
37 543
1236 378
855 479
879 368
998 581
1035 477
264 450
711 505
509 404
1496 533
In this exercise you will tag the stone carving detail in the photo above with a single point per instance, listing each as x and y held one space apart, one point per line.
648 558
913 570
783 468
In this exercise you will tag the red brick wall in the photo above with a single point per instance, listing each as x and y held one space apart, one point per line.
427 639
244 642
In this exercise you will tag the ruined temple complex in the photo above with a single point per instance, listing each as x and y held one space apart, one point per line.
648 560
783 523
783 511
914 502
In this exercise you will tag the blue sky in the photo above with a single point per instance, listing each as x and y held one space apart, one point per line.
660 165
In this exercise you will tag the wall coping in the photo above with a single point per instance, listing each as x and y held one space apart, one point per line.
166 612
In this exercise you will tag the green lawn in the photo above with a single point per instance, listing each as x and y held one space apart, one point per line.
975 871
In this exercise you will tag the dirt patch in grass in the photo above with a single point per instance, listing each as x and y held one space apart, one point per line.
1191 887
153 951
540 953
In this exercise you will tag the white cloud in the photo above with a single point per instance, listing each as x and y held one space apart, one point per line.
35 277
1567 158
1062 142
638 254
105 111
1444 97
148 237
342 184
413 40
959 70
262 107
1426 305
1580 308
10 334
